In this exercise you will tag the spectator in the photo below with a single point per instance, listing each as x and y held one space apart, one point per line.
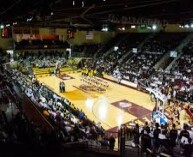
173 136
184 136
136 134
145 141
111 142
156 133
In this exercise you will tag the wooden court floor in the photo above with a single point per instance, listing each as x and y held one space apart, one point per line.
118 105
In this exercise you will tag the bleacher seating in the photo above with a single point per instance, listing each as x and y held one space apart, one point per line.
140 65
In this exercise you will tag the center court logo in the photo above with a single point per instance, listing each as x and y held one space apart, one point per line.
124 104
65 77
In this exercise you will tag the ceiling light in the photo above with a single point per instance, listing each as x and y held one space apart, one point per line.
148 27
116 48
82 4
186 26
7 25
14 23
1 26
105 29
133 26
154 27
29 19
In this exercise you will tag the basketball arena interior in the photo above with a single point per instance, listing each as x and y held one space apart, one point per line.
96 78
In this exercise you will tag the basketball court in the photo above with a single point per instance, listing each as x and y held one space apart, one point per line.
113 107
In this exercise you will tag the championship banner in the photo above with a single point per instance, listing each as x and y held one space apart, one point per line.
20 37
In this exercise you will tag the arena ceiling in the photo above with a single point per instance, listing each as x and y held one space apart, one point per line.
92 13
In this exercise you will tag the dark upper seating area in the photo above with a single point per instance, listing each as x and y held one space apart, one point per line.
87 50
91 49
163 42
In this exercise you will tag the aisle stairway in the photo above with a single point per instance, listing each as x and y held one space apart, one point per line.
166 61
179 50
105 48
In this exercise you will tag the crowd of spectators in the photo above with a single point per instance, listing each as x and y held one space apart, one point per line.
43 59
140 65
52 58
177 81
15 128
155 139
118 50
173 84
71 123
